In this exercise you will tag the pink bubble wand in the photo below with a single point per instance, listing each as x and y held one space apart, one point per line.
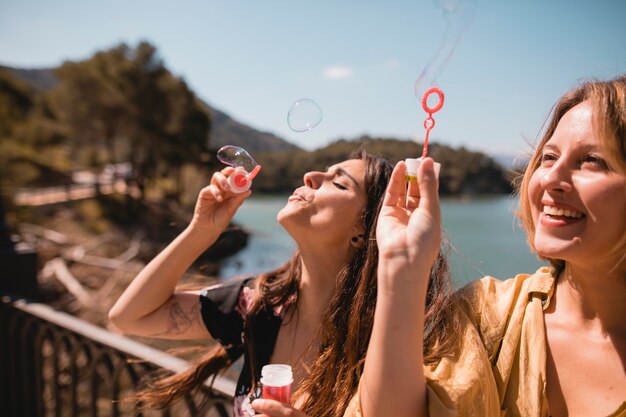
429 123
412 164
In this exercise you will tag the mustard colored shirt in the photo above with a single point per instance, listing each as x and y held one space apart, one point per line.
500 369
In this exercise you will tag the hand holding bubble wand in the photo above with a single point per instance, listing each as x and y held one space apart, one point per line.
241 179
413 164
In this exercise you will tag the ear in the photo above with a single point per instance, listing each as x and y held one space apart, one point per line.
358 241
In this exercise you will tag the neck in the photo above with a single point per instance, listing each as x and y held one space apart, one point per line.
317 284
592 299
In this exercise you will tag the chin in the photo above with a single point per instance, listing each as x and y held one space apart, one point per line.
289 220
549 247
280 216
285 213
555 249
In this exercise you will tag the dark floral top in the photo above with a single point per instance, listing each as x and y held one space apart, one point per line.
224 309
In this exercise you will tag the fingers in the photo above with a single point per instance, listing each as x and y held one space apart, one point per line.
273 408
422 193
219 187
396 189
428 184
412 195
211 192
220 178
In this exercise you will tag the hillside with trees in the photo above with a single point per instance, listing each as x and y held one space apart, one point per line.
123 105
463 172
224 130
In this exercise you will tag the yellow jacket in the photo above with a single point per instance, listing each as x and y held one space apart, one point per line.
500 369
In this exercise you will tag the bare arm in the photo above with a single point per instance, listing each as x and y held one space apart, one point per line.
408 236
150 306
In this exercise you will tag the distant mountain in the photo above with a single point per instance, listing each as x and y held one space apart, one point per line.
224 129
42 79
227 131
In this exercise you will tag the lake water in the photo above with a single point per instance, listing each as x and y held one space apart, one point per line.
486 237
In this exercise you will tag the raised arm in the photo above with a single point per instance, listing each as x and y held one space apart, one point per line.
150 306
408 235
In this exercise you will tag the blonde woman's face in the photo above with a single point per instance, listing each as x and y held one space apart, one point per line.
578 204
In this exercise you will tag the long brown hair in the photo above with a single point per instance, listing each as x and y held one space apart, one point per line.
608 100
346 326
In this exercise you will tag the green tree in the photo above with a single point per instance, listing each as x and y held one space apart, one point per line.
123 105
30 141
32 149
15 105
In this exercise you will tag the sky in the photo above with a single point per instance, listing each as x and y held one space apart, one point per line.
358 60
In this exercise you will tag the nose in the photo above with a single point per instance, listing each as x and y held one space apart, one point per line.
313 179
557 177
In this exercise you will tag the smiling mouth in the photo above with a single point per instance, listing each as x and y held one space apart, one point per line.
555 212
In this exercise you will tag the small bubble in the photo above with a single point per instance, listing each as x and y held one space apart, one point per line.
303 115
236 157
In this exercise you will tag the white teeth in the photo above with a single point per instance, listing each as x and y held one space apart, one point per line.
553 211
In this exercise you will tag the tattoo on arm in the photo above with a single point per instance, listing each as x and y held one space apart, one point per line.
179 321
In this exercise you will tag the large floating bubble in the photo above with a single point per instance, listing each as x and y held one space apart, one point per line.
236 157
458 16
303 115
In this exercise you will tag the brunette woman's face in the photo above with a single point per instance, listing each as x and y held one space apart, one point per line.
578 203
329 205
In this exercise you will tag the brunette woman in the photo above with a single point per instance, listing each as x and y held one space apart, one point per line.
314 313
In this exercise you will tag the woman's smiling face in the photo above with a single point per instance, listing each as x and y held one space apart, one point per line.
578 203
329 205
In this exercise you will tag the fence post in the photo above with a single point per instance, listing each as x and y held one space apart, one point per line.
18 278
18 264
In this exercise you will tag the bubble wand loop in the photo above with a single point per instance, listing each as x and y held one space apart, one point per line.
429 122
413 164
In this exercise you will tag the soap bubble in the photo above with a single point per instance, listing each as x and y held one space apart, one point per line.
425 81
458 16
303 115
236 157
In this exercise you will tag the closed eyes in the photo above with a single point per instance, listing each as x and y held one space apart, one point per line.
340 186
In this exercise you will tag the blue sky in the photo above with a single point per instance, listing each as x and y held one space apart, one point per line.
357 59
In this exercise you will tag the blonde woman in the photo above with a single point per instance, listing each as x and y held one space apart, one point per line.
552 343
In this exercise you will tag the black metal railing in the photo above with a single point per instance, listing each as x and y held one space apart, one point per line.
54 364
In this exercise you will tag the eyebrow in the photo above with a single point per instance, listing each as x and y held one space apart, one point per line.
587 147
343 172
